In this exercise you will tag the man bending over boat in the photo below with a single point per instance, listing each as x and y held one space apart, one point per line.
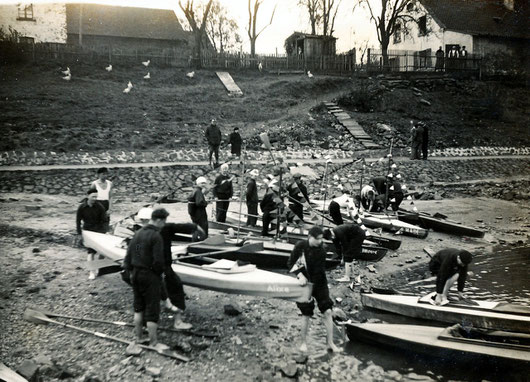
449 265
348 240
308 261
145 262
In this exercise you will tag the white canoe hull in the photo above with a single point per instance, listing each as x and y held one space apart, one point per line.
254 282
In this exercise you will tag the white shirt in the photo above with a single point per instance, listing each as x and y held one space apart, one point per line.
103 193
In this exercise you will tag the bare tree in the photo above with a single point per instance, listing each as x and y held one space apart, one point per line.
221 29
197 25
393 13
252 21
329 12
313 9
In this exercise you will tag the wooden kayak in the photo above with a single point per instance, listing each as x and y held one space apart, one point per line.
438 224
447 343
227 276
480 314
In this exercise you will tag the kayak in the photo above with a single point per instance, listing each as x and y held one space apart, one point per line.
223 275
480 314
438 224
455 343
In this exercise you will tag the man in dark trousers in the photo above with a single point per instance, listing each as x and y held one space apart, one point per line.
308 262
439 66
173 291
94 218
235 142
269 205
213 136
252 199
425 140
416 141
449 265
222 191
348 240
145 263
392 196
297 195
197 205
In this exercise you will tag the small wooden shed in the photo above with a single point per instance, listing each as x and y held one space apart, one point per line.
310 45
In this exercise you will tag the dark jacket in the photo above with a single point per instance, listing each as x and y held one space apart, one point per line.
168 232
315 258
252 192
197 205
93 218
146 250
222 188
444 264
269 203
297 193
348 237
213 135
235 141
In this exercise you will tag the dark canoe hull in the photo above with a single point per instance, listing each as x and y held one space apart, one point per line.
369 252
385 242
485 314
439 225
434 342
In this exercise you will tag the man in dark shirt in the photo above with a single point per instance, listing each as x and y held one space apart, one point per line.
269 204
222 191
308 261
94 218
449 265
252 199
348 240
145 262
297 195
197 205
235 142
213 136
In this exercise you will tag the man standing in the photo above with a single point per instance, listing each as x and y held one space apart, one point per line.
213 136
103 186
425 140
348 240
308 261
252 199
145 262
439 66
269 204
416 140
297 195
449 265
197 205
235 142
94 218
222 191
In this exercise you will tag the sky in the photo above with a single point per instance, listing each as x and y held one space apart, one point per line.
351 28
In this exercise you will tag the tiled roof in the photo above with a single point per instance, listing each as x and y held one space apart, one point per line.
480 17
107 20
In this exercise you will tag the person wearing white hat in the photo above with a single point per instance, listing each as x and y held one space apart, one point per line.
222 191
268 205
252 199
197 205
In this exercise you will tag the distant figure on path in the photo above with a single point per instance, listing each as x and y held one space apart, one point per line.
235 142
449 265
416 141
425 140
222 192
439 66
213 136
308 262
252 199
197 205
103 186
94 218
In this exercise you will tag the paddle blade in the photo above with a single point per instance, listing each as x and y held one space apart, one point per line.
214 240
265 140
32 315
252 247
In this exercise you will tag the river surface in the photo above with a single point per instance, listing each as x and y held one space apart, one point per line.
502 275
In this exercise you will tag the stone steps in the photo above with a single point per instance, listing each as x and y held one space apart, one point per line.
351 125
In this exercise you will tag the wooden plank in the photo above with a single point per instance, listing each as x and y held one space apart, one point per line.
6 374
229 83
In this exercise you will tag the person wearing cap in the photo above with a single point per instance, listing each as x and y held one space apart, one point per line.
103 186
235 142
213 136
252 199
268 205
222 192
145 262
297 195
308 262
93 217
348 240
197 205
449 265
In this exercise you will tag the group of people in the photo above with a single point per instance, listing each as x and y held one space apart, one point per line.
214 138
419 140
456 59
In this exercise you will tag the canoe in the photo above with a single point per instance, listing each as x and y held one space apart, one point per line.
480 314
442 343
438 224
227 277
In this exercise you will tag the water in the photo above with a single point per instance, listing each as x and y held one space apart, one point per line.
498 276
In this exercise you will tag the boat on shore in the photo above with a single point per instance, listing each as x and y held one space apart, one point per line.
222 275
455 343
479 314
438 224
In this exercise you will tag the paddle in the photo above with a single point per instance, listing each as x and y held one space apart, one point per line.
212 240
252 247
120 323
38 317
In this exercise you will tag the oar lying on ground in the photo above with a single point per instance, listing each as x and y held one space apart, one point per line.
38 317
121 323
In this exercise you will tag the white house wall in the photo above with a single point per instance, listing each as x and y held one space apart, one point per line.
49 24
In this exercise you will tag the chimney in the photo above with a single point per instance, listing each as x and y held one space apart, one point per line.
509 4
